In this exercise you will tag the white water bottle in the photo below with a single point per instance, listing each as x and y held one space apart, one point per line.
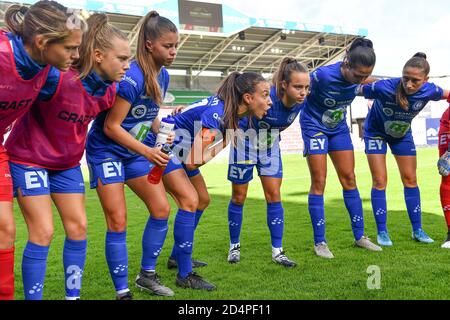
165 128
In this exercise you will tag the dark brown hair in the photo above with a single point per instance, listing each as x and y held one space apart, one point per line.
361 53
419 61
152 28
232 91
284 72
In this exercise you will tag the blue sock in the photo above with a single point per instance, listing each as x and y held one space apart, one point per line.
117 258
74 257
183 232
354 207
152 242
235 221
198 215
275 221
34 264
379 208
316 207
412 199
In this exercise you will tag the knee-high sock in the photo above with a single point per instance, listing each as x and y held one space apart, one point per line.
316 207
445 199
117 258
74 258
353 203
7 274
379 208
412 199
275 221
235 213
152 242
198 215
34 265
183 233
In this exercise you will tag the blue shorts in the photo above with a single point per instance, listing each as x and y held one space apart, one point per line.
34 181
268 164
317 142
400 147
118 171
175 164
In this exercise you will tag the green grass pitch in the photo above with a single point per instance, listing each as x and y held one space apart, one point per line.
409 270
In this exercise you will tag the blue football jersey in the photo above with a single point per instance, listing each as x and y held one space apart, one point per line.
138 121
386 118
206 113
278 117
325 108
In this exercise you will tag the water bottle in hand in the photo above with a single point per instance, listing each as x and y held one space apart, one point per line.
155 174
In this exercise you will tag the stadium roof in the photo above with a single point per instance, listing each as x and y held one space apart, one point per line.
239 43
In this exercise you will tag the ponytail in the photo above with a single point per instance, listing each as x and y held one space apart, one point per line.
361 53
419 61
284 72
152 28
14 18
232 91
47 18
99 36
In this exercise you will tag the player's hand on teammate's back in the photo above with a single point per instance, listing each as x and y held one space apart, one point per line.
156 156
444 164
177 110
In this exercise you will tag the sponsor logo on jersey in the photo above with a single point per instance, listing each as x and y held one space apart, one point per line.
139 111
263 125
388 111
330 102
292 117
6 87
418 105
75 117
15 105
130 81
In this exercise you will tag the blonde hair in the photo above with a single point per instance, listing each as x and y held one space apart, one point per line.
98 36
48 18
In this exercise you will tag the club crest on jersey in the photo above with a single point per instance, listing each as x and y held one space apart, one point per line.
388 111
330 102
139 111
216 116
418 105
263 125
292 117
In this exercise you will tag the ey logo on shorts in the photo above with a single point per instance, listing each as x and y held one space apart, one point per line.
112 169
317 144
237 173
374 145
36 179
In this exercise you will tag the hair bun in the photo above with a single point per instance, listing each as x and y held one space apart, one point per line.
23 10
420 55
154 14
361 42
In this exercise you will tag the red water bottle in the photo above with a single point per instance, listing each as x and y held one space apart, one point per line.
155 174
